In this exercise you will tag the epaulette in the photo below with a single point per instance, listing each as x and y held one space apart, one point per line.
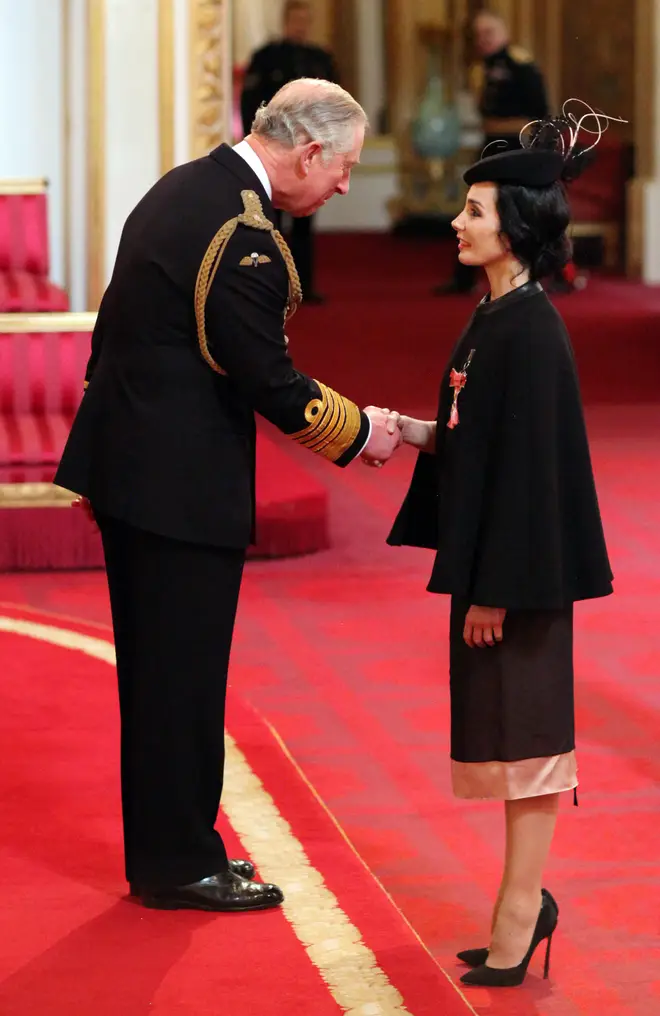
520 55
253 217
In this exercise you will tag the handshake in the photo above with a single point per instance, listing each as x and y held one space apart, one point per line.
389 430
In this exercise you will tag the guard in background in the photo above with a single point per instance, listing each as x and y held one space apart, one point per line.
271 67
511 92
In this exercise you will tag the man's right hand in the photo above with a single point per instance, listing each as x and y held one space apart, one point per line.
385 437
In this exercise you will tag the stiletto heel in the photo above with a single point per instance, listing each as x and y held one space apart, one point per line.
511 977
477 957
546 966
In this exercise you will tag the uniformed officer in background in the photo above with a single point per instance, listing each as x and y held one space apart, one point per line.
510 91
271 67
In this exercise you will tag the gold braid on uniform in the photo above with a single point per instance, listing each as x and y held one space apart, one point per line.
333 424
253 217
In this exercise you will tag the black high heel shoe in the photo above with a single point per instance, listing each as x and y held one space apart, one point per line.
510 977
477 957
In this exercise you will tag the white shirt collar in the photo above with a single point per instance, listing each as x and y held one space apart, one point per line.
247 152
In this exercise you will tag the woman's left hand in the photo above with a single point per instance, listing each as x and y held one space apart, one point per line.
483 626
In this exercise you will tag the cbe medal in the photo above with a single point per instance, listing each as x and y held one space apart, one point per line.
457 381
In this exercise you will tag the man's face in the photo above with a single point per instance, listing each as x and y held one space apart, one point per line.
490 34
317 180
298 25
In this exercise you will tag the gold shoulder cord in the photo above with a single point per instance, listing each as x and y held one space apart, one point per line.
253 217
333 422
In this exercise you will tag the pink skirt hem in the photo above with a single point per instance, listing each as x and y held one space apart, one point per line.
511 781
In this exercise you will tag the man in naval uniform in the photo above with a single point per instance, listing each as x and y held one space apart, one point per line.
510 91
188 344
271 67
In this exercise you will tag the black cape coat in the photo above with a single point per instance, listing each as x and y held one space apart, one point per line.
508 500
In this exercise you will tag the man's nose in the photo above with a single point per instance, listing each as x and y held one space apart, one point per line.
343 187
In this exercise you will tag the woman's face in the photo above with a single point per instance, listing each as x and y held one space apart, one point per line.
478 227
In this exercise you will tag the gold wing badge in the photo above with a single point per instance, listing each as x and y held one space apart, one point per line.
253 217
253 260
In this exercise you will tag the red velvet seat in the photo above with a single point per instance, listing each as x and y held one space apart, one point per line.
598 198
42 366
21 291
24 257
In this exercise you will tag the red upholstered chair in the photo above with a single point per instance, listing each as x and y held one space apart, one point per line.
598 199
24 257
42 367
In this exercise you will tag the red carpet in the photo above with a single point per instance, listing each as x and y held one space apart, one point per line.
345 654
73 945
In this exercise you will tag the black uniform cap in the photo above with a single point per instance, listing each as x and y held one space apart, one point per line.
529 167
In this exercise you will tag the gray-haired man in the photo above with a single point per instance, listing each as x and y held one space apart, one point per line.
189 343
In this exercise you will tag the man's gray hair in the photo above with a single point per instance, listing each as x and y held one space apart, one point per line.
310 109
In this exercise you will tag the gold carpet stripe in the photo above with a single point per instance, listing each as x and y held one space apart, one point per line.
100 649
344 835
334 945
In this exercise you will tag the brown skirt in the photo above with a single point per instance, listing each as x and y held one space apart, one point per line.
512 707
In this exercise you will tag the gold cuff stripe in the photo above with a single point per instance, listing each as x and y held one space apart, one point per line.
334 424
253 217
334 427
326 422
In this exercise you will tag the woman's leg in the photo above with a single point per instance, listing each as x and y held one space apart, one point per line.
530 826
507 861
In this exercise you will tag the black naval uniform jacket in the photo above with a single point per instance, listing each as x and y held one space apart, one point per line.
161 440
508 500
275 65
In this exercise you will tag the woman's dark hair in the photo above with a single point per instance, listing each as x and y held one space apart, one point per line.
533 221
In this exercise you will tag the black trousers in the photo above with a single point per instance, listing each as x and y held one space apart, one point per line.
301 242
173 612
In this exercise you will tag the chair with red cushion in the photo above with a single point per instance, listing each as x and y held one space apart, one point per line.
42 367
24 255
598 199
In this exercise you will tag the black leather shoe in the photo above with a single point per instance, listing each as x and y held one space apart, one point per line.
223 893
477 957
244 869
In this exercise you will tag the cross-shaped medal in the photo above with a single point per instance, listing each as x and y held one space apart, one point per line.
457 381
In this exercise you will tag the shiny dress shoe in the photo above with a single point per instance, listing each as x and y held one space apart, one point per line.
222 893
510 977
476 957
244 869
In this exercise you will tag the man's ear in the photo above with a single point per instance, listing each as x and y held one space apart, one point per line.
309 154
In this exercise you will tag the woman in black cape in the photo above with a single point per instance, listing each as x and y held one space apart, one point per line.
503 491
